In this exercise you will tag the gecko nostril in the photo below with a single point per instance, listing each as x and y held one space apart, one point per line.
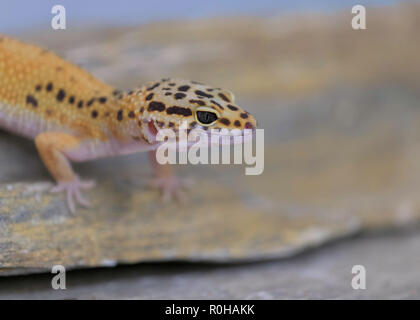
249 125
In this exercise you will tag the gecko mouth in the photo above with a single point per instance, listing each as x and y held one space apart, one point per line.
151 131
151 126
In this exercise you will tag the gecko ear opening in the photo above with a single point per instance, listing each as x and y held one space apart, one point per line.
229 95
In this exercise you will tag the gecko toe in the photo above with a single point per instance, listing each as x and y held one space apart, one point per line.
70 201
73 192
81 200
171 188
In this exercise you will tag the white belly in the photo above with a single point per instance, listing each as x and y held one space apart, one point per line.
24 122
94 149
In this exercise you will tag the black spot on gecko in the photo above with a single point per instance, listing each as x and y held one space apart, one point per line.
217 104
204 94
237 123
102 99
199 102
61 95
179 110
156 106
31 100
221 95
131 114
233 108
71 99
168 93
49 86
244 115
80 104
179 95
94 114
171 84
120 115
225 121
183 88
89 103
38 87
149 96
116 92
166 89
154 86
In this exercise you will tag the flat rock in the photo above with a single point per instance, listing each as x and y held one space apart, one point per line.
390 259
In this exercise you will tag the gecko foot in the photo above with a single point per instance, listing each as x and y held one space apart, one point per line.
171 188
72 190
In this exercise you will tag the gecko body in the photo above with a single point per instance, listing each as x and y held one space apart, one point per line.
72 116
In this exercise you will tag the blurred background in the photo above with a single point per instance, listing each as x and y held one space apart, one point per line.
341 114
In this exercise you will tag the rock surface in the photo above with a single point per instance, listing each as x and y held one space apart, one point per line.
391 262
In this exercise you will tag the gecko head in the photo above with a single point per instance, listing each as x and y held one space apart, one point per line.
168 103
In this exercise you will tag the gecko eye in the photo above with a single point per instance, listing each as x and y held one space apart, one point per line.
206 117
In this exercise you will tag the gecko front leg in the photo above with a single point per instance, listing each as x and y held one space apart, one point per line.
167 182
52 148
